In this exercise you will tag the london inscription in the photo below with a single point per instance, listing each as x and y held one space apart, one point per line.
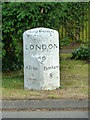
41 47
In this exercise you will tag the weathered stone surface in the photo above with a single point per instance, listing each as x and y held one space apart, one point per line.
41 59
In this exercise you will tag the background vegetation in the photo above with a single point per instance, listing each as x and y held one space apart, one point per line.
68 18
81 53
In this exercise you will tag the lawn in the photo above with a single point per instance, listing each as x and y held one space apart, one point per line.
74 82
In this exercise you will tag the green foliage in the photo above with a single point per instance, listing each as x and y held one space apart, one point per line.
81 53
64 42
61 87
17 17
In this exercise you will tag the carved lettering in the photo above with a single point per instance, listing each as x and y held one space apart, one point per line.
40 31
31 47
51 67
42 58
51 75
55 46
50 46
31 68
43 47
38 47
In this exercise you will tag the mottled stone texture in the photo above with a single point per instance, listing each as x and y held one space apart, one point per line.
41 59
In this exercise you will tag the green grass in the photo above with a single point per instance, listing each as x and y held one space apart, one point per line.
13 80
74 82
73 72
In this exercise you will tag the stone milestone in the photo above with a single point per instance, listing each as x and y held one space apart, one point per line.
41 59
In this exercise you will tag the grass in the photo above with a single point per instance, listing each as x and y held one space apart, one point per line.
74 82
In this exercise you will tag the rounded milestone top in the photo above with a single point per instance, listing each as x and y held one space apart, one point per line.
40 30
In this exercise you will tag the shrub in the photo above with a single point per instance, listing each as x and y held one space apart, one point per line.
18 17
81 53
